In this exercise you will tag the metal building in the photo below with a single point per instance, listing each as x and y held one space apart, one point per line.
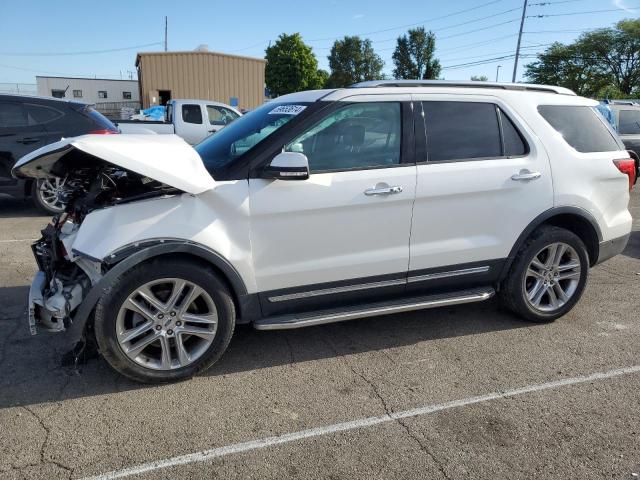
232 79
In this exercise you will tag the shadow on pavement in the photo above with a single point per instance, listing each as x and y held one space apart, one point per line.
633 247
16 208
31 371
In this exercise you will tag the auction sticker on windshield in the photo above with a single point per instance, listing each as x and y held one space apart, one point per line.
287 110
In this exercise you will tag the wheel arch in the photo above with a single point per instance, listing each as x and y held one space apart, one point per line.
574 219
127 257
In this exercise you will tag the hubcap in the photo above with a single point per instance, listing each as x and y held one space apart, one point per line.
552 277
49 192
166 324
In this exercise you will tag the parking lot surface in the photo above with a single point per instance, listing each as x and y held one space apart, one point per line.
457 366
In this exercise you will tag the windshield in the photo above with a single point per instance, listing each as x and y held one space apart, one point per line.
237 138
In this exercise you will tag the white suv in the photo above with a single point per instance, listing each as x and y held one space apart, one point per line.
325 206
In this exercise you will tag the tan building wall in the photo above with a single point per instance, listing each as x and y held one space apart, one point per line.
201 75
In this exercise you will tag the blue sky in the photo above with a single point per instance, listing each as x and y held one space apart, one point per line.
33 34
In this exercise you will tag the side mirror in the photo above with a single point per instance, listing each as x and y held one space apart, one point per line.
288 166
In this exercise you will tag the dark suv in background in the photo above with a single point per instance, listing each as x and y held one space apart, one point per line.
28 123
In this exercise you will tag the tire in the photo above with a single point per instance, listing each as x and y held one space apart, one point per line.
127 307
522 288
41 192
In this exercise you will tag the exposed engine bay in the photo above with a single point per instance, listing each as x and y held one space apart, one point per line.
65 277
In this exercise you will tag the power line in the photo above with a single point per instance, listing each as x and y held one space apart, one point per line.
92 52
544 4
582 13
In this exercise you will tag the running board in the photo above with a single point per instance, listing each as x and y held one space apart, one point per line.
286 322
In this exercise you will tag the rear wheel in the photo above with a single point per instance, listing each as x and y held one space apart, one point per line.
46 194
548 275
164 321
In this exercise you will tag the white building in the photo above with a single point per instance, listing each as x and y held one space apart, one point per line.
106 94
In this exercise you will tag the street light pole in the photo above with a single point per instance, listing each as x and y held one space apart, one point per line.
497 71
515 63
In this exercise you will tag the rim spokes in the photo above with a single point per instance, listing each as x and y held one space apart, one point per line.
167 323
552 277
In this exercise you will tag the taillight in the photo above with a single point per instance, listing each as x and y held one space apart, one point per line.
104 131
628 167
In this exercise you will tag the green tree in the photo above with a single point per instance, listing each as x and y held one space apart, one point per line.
479 78
608 57
353 60
323 76
291 66
413 56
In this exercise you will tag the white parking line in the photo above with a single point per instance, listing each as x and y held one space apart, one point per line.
19 240
206 455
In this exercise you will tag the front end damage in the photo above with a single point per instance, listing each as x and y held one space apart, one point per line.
98 173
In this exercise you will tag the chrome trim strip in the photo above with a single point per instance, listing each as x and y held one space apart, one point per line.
452 273
331 291
374 311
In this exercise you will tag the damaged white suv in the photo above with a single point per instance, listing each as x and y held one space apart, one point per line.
326 206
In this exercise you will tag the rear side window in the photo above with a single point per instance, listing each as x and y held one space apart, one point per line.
629 122
192 114
580 127
461 130
13 115
514 145
41 114
97 118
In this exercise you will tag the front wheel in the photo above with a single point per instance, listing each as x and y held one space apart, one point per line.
46 194
548 275
165 320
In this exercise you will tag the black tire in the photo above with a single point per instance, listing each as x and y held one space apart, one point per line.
39 201
109 305
513 293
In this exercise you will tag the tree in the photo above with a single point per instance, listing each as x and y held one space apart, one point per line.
479 78
291 66
353 60
323 76
413 57
608 57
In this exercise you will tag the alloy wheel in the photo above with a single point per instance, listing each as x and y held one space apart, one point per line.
552 277
48 191
166 324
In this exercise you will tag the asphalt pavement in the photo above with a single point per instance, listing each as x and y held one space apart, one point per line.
469 392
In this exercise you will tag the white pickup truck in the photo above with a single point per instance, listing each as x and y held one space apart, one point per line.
193 120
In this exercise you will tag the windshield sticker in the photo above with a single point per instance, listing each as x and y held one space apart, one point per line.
287 110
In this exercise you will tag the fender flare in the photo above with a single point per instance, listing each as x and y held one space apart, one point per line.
539 220
129 256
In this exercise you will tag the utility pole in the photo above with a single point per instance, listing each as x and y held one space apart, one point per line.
497 71
515 63
165 33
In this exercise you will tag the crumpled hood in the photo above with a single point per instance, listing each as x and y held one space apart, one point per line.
165 158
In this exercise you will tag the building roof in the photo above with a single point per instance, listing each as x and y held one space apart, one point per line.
90 78
198 52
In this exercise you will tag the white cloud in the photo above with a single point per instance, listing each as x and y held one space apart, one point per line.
620 4
358 16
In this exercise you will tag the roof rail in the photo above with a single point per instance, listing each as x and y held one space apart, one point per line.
471 84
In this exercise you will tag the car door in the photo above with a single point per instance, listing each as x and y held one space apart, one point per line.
482 178
191 125
342 235
19 135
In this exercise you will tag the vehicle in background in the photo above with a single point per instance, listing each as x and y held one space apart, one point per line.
624 117
193 120
326 206
28 123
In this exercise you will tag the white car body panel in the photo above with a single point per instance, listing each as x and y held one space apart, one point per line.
455 213
167 158
326 229
217 219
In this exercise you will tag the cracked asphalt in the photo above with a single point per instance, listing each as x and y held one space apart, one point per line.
59 423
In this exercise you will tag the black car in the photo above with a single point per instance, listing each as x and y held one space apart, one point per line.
28 123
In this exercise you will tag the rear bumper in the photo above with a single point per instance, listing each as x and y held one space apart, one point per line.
611 248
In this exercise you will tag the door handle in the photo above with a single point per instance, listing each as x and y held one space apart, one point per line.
379 190
28 140
525 175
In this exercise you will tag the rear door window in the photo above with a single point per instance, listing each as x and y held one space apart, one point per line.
461 130
580 127
514 144
192 114
629 122
39 114
13 115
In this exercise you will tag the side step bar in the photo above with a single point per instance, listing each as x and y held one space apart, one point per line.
286 322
